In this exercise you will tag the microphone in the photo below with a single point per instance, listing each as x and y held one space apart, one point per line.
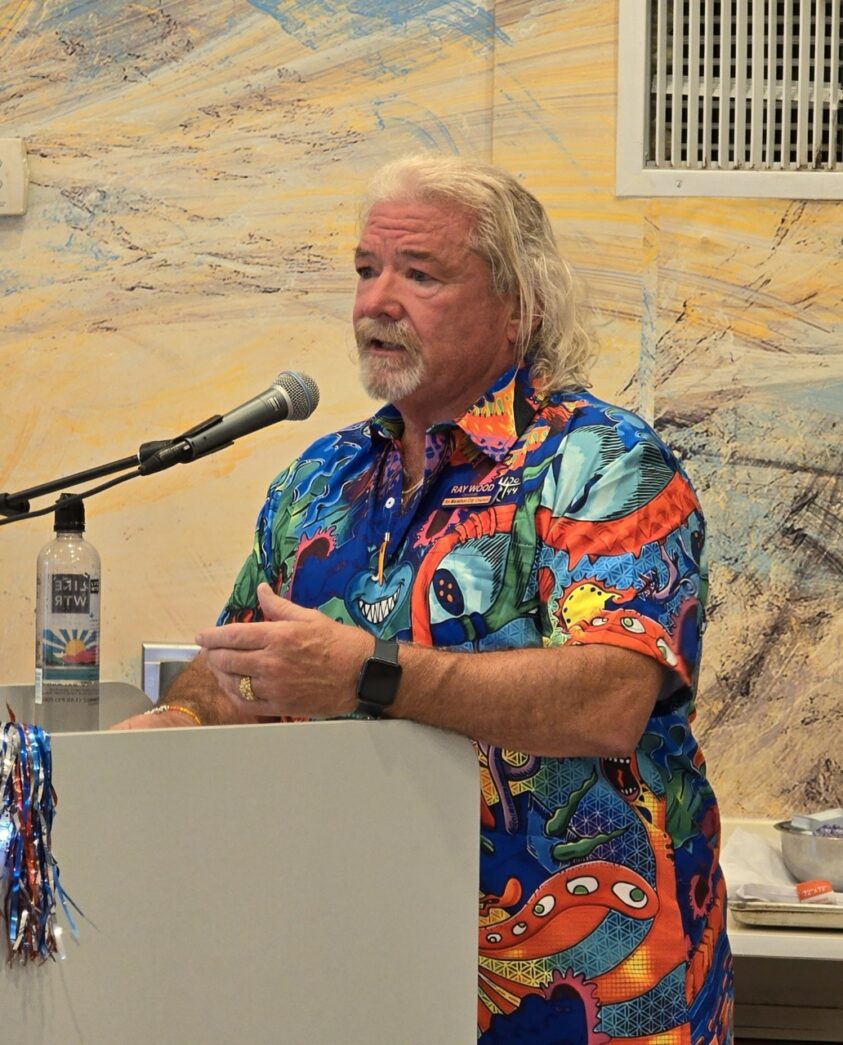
291 396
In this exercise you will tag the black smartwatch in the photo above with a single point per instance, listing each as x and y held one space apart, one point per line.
378 681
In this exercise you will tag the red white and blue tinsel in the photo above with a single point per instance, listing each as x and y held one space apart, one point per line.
29 874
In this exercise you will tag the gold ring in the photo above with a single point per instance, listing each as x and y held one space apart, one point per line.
245 687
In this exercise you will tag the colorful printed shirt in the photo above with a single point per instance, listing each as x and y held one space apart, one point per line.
541 521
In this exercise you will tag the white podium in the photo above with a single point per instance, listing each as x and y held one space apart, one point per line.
310 884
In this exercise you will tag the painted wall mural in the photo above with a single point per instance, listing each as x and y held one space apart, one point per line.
194 172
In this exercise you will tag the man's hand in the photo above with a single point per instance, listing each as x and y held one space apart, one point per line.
195 691
300 662
162 720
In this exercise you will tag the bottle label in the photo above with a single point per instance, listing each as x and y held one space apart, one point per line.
71 592
70 654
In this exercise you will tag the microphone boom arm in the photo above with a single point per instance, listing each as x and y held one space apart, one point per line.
293 396
13 504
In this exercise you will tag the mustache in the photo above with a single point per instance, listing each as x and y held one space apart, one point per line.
394 332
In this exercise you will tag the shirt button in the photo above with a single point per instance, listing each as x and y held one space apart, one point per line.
389 502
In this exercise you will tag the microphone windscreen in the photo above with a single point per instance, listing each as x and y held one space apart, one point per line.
302 391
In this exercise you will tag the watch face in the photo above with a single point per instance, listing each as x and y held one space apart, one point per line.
379 682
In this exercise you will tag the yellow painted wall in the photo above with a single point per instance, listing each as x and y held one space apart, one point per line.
194 174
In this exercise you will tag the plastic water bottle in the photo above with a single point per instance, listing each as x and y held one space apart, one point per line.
67 625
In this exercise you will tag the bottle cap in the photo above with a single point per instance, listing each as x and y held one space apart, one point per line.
70 517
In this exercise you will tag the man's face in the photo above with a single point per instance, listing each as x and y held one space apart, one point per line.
432 336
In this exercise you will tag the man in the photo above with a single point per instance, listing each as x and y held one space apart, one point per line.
550 547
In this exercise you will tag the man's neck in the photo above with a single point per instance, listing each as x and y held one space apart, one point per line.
425 407
412 452
418 417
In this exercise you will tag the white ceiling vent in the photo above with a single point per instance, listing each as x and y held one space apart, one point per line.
731 98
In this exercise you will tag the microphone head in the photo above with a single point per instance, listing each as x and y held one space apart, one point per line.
302 391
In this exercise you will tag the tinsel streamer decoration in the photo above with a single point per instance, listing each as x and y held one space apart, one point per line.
29 874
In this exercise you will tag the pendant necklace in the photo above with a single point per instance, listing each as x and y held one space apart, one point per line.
408 493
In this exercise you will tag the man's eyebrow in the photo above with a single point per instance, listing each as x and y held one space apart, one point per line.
414 255
417 255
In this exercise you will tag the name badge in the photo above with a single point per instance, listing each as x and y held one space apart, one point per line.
474 494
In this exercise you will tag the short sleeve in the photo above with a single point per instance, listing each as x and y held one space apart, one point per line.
622 544
262 564
242 604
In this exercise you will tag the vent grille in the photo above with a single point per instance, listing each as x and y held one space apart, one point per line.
745 85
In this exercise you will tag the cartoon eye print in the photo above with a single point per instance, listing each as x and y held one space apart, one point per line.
447 590
582 886
543 906
666 652
629 894
598 622
633 624
493 937
519 928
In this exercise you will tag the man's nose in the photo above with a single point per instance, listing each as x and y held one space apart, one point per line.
378 297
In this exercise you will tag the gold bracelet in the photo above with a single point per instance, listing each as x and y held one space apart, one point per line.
161 708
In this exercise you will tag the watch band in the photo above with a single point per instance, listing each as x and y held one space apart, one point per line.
377 684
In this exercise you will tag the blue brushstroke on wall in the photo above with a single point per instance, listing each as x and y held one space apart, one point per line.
530 108
318 23
430 131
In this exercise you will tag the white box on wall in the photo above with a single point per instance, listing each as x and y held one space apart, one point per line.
14 176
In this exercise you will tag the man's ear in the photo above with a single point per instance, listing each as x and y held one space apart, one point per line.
514 322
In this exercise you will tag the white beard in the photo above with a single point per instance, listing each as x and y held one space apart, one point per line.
389 377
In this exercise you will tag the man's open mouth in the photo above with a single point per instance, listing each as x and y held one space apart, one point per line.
385 346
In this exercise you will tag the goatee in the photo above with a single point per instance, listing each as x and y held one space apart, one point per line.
392 377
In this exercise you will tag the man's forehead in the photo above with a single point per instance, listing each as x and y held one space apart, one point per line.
416 226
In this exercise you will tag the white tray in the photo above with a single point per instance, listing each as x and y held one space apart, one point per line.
798 915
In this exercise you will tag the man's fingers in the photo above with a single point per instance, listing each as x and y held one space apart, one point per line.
233 662
233 636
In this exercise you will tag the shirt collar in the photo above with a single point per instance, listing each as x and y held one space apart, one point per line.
494 423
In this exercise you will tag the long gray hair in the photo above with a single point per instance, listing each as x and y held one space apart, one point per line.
512 232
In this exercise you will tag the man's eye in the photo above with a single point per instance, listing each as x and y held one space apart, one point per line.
365 271
419 277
